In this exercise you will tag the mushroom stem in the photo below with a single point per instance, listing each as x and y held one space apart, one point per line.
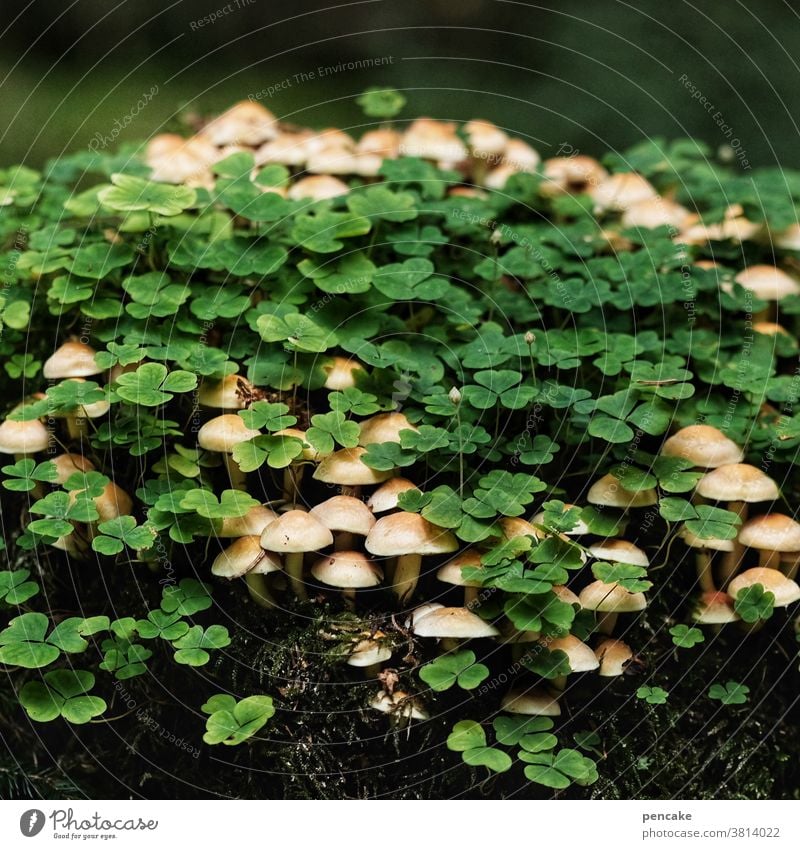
294 570
769 559
733 559
791 566
606 623
237 477
449 644
349 596
470 597
76 426
344 542
559 682
406 575
354 491
259 591
704 575
292 477
372 671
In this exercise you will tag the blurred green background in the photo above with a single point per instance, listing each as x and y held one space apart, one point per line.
598 75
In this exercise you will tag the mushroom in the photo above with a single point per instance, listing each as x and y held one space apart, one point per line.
293 473
346 468
452 573
657 212
76 417
619 551
253 522
23 438
705 575
221 435
714 608
317 187
621 191
385 496
738 484
341 373
610 600
609 492
385 427
513 527
435 140
785 590
772 535
451 625
247 558
613 656
408 537
348 571
245 123
232 392
68 464
423 610
531 702
347 516
565 595
571 174
579 656
767 283
369 654
705 446
400 705
72 359
382 142
293 534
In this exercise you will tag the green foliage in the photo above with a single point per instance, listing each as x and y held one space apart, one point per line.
652 695
754 603
64 692
232 722
685 637
730 693
456 668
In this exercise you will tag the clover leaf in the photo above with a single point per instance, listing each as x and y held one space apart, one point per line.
379 102
231 722
449 669
128 193
652 695
152 384
730 693
15 588
192 646
685 637
115 534
754 603
187 598
63 692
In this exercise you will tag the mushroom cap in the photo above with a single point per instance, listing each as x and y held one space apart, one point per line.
520 156
613 655
230 393
383 142
367 652
609 492
72 359
68 464
347 570
28 437
773 532
344 513
453 623
532 702
223 432
581 658
715 608
513 527
767 282
422 610
346 468
385 496
242 556
253 522
408 533
317 187
245 123
571 174
429 139
657 212
385 427
737 482
704 445
295 531
711 544
619 551
112 503
611 598
485 139
400 702
341 373
565 594
785 590
579 530
285 149
621 191
771 328
450 573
